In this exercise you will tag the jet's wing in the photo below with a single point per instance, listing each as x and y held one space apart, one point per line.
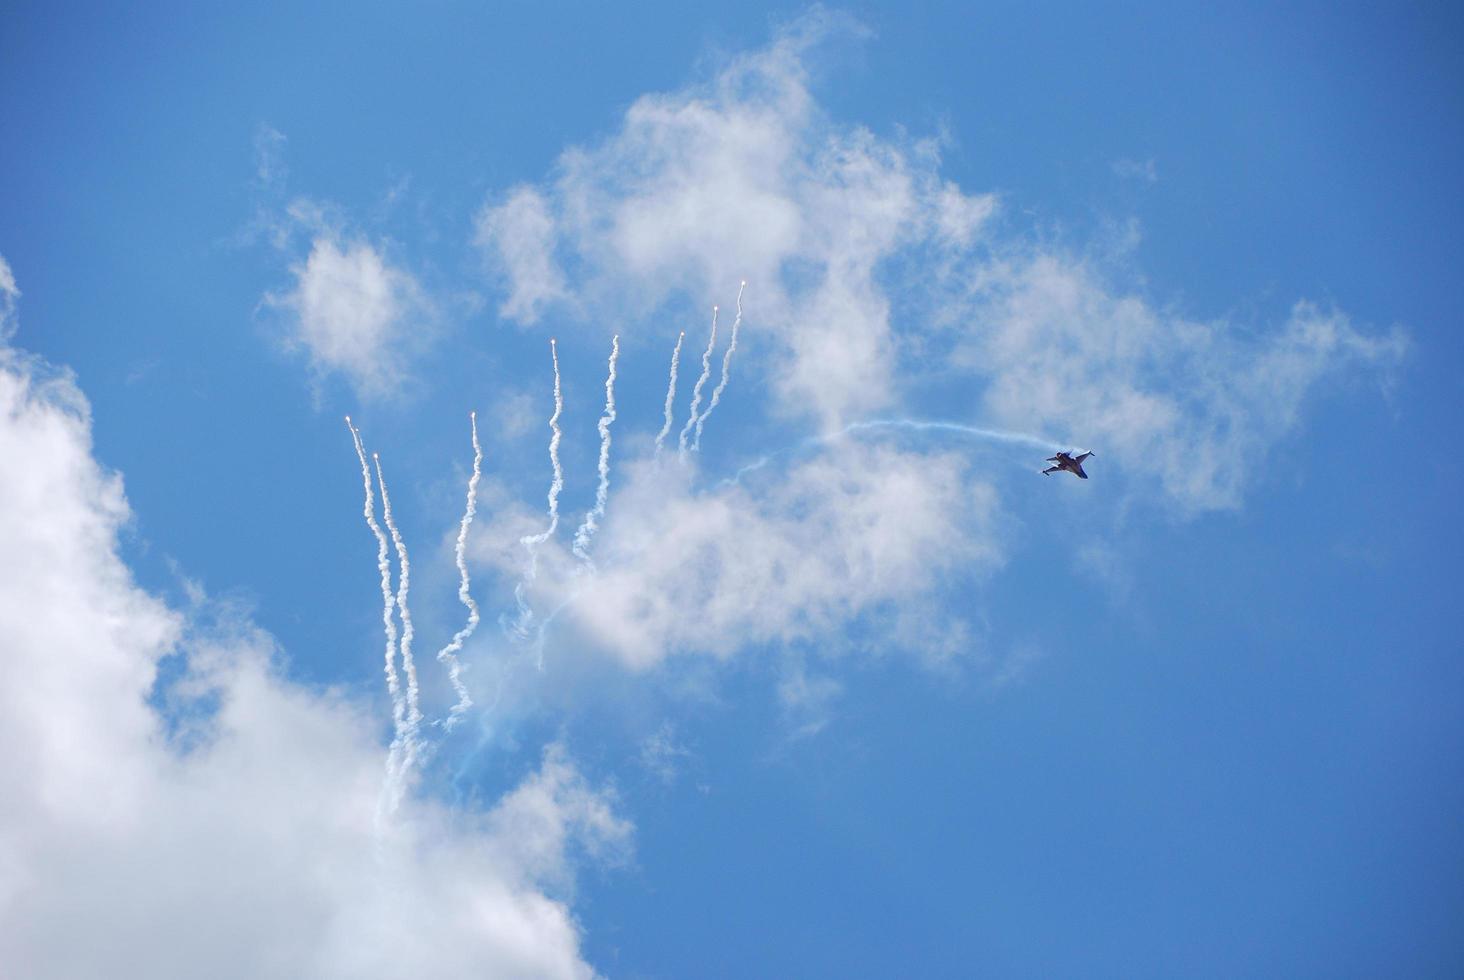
1053 459
1051 469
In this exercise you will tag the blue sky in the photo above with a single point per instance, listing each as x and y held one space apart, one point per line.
821 701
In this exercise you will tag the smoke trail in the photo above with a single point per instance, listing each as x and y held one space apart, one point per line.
587 529
919 425
670 393
414 713
383 564
914 425
448 654
706 372
531 542
726 363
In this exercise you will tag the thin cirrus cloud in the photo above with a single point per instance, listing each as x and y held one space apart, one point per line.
1130 169
221 823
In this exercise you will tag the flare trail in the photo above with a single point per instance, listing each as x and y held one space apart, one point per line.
726 363
602 493
383 564
913 425
448 654
531 542
409 667
701 381
670 392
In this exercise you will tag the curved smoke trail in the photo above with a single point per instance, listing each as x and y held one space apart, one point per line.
602 493
914 425
448 654
726 363
921 425
531 542
706 372
670 393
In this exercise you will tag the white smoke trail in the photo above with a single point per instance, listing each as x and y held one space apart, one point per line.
670 393
383 564
587 529
448 654
531 542
706 372
409 743
914 425
920 425
726 363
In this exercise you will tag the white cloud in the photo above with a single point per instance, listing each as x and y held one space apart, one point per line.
351 308
354 312
241 840
519 233
741 178
855 534
859 253
1189 407
9 295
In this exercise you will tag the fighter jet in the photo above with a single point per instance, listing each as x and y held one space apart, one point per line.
1069 462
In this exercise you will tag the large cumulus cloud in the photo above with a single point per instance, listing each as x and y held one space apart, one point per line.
223 823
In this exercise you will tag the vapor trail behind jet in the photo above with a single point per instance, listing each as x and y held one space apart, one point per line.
919 425
448 654
670 392
602 493
701 381
913 425
726 363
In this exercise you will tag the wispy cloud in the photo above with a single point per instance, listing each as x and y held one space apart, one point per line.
519 235
1189 407
807 699
1144 170
270 171
9 299
662 754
